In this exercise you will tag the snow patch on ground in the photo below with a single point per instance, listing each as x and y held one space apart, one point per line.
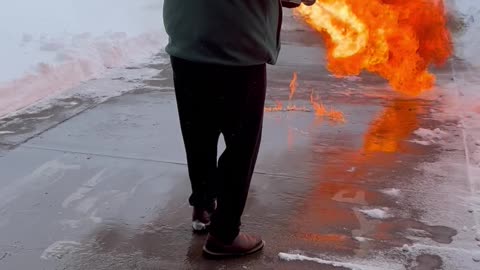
421 142
429 136
59 249
446 253
352 169
348 265
377 213
362 239
394 192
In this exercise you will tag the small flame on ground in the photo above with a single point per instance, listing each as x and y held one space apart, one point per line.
277 108
294 108
321 111
293 86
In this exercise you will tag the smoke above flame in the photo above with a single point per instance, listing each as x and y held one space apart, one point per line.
396 39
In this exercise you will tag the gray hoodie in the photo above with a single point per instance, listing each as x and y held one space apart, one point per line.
225 32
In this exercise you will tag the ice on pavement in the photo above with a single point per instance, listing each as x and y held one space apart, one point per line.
52 45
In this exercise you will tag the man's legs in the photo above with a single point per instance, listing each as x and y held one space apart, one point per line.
215 99
196 101
241 125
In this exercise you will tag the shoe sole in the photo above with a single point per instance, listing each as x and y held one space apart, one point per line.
212 254
199 226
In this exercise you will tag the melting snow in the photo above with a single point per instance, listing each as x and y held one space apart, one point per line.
362 239
406 248
421 142
429 136
395 192
377 213
352 169
59 249
348 265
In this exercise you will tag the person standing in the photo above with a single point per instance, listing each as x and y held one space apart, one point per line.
219 51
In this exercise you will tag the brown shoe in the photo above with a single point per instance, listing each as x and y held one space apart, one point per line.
243 244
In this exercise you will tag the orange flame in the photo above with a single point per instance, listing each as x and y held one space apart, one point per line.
277 108
321 111
293 86
397 39
290 107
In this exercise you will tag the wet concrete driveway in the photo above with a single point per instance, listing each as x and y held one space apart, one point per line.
104 186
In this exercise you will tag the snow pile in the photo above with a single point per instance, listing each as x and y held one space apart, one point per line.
428 136
53 45
377 213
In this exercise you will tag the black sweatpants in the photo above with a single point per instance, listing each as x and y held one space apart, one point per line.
214 100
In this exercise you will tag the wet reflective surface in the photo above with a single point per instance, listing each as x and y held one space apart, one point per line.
107 189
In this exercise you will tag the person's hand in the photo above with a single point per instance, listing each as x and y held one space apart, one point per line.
291 3
308 2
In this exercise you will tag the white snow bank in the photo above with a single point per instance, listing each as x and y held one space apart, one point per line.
377 213
114 82
52 45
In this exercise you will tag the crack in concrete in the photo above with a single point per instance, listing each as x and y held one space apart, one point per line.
178 163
